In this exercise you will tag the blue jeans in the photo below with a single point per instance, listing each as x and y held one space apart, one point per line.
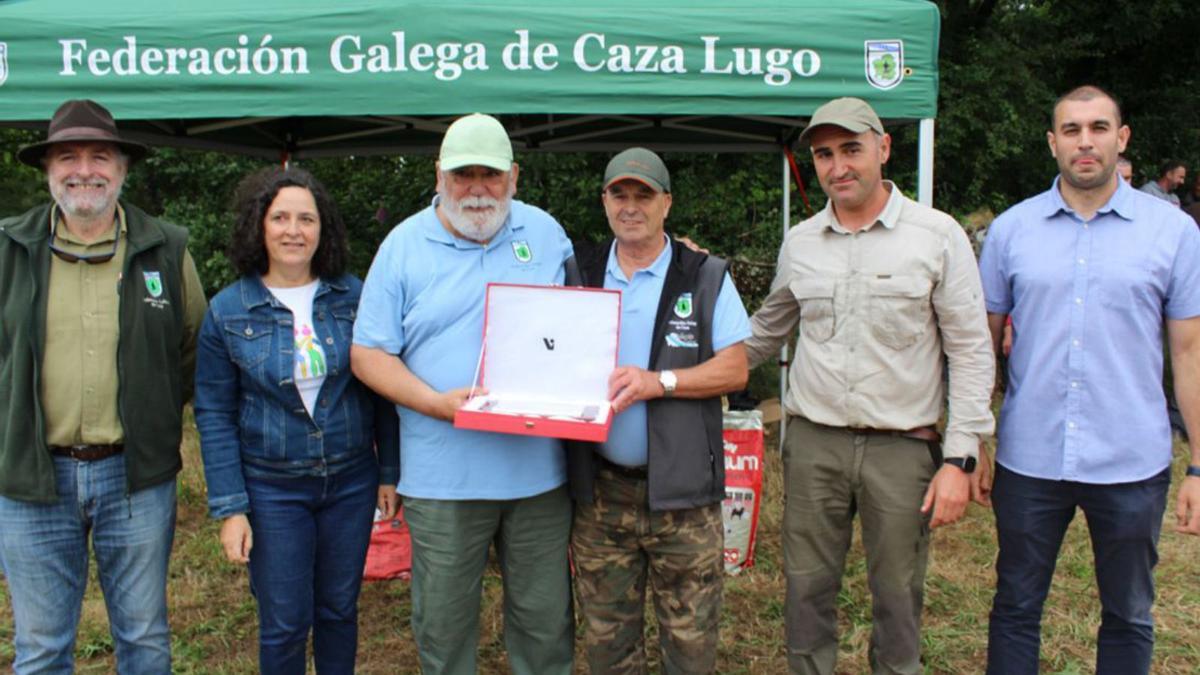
44 551
310 537
1032 515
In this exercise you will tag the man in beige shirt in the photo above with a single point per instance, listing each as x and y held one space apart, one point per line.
100 306
885 291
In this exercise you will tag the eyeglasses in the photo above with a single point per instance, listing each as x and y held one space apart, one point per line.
92 259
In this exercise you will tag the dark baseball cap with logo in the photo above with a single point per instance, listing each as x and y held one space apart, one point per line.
641 165
852 114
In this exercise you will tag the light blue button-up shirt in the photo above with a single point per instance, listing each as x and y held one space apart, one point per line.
1088 301
627 441
424 300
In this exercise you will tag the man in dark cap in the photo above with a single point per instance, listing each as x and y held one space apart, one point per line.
648 499
100 305
887 297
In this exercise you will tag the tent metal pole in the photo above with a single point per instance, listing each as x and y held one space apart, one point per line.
783 351
925 162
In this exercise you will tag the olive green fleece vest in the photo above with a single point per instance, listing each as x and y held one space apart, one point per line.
151 388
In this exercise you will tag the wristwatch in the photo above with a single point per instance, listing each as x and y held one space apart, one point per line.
967 464
668 381
1193 470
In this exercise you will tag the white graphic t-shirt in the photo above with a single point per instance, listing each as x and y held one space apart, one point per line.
310 367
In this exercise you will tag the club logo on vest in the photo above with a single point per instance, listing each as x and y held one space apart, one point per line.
153 283
522 251
683 306
154 290
3 62
884 62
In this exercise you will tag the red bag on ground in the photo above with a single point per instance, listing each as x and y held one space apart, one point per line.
743 436
389 556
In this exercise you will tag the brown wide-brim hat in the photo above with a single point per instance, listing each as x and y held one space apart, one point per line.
80 121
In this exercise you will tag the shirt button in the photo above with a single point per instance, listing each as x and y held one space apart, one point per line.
1074 385
320 316
324 403
1074 343
1079 301
249 330
1070 425
317 434
329 340
1082 261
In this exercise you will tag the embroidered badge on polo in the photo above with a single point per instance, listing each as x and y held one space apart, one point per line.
683 306
522 251
153 283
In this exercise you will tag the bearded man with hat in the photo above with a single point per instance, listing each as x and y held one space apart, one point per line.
100 306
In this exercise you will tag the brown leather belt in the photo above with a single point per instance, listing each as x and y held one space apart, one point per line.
927 435
633 472
87 453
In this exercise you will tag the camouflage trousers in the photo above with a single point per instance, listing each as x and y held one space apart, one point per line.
617 543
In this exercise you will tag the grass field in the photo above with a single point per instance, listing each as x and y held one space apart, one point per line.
214 626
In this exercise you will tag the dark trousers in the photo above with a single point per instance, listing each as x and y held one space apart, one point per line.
1032 515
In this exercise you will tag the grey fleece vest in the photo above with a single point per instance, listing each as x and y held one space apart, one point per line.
686 465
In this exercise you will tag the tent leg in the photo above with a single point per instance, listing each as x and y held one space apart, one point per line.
925 162
783 351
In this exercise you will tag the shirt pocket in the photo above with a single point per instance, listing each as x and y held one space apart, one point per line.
818 320
249 341
900 309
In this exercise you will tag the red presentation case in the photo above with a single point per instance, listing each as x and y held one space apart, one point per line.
546 358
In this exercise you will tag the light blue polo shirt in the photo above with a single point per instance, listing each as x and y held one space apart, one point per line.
1088 300
627 442
424 300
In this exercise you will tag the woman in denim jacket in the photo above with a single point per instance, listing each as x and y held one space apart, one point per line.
297 452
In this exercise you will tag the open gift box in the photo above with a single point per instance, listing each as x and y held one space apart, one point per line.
547 354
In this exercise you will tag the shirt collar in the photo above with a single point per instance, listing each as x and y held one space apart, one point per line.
64 235
889 217
255 292
436 231
1120 203
657 268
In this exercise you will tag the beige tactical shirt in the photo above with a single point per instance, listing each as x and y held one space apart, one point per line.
79 359
877 310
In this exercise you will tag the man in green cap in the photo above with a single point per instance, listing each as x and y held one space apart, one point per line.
648 499
885 291
417 341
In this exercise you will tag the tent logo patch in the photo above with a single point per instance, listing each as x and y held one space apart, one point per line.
885 63
522 251
683 306
153 283
3 62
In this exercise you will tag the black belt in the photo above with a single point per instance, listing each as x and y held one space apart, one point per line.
87 453
634 472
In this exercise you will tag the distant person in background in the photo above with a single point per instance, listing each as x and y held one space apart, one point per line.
1125 169
1192 196
1170 177
297 452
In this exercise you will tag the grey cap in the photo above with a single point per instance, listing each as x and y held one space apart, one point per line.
641 165
852 114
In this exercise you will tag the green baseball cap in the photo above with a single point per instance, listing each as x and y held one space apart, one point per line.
641 165
852 114
476 140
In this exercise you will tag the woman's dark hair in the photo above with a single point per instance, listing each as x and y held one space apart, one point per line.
253 198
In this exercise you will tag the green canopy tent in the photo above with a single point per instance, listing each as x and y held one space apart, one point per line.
311 78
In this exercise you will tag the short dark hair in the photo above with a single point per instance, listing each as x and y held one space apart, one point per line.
1086 92
253 198
1169 166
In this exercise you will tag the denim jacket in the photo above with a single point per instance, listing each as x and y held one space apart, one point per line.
251 418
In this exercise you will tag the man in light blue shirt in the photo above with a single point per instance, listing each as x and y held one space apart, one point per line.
648 499
417 341
1091 272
